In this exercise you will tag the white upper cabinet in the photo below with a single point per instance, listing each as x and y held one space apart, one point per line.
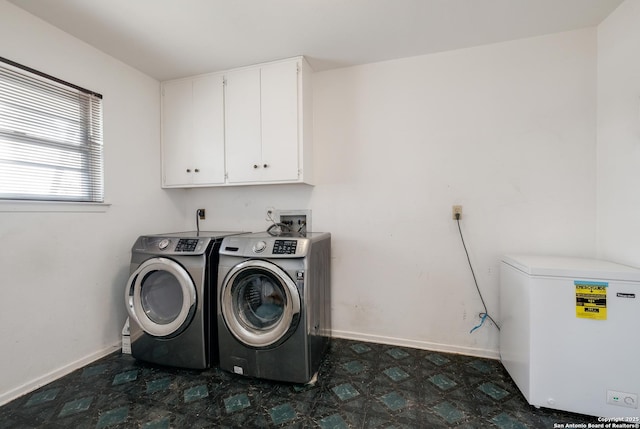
252 126
243 134
193 131
264 120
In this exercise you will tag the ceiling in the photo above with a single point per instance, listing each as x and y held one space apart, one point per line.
176 38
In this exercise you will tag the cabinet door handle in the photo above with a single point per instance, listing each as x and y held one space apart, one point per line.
255 165
188 170
197 170
265 165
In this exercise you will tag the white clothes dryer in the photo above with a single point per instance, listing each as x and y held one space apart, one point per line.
170 298
274 318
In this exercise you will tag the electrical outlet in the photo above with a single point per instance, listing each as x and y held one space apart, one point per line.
201 214
270 214
456 210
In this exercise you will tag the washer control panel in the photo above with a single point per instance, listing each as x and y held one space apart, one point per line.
280 247
285 247
265 245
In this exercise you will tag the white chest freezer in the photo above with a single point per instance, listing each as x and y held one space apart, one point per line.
570 333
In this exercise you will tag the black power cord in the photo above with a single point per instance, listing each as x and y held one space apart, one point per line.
199 213
276 229
485 314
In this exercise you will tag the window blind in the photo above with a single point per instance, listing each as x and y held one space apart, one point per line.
51 145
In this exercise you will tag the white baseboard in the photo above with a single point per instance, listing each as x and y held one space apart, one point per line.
32 385
423 345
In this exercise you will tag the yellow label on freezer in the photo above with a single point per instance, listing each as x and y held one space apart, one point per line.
591 300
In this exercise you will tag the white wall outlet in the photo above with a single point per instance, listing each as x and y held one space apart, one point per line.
622 399
456 210
270 214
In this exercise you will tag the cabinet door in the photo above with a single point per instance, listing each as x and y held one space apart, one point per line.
177 113
193 131
207 146
242 126
279 107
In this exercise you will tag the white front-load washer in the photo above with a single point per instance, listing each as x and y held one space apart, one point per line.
170 298
274 317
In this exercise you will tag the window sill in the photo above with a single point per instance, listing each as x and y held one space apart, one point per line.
52 206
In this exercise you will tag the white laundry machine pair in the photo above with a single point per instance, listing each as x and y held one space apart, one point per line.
171 298
273 305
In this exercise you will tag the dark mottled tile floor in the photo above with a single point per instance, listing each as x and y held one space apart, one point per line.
360 385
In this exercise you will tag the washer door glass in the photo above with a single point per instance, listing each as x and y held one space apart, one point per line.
260 303
161 297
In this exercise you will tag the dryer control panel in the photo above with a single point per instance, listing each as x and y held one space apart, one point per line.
171 245
187 245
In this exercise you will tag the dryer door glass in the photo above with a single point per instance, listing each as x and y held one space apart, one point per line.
161 297
260 303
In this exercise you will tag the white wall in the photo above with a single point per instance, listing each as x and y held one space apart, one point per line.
506 130
63 274
619 135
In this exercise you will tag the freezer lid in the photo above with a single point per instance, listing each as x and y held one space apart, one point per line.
583 268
